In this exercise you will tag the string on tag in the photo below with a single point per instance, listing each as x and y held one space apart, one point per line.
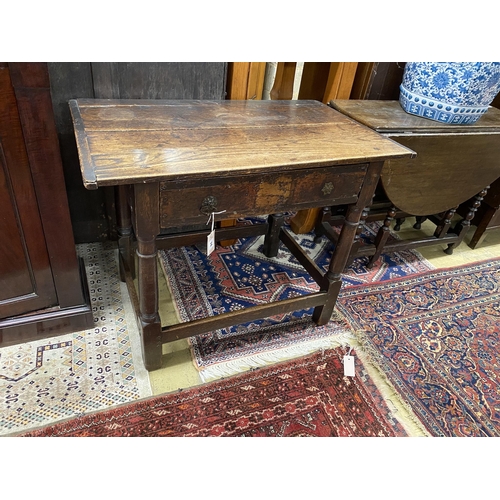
212 218
211 236
347 353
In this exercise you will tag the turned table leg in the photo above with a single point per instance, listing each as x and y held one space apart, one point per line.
146 229
443 227
399 222
357 238
463 226
419 220
332 280
124 228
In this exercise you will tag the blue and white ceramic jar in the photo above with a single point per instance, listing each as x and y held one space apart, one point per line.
449 92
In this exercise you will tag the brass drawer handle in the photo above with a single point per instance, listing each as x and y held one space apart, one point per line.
208 205
327 188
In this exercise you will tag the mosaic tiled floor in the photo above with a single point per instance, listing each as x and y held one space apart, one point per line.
53 379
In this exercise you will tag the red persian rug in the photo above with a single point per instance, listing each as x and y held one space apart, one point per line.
304 397
436 338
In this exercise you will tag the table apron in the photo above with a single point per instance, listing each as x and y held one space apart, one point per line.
190 201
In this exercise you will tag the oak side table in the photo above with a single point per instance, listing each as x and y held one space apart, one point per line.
176 163
454 164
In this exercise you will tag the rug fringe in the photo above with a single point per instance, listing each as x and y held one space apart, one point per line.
259 360
402 410
371 360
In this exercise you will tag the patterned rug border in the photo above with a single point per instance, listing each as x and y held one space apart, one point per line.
435 271
364 378
371 361
341 334
374 360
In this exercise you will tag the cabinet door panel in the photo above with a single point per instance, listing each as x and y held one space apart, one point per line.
15 280
26 282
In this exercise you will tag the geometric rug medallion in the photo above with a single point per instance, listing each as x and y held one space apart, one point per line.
240 276
435 338
52 379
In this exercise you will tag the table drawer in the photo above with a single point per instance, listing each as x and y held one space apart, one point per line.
188 201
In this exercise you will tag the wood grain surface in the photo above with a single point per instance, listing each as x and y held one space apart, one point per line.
453 163
389 116
130 141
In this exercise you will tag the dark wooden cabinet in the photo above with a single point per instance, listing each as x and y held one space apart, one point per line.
26 281
42 285
44 208
378 80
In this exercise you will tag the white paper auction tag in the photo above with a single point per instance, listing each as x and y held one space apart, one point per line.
211 236
211 242
349 370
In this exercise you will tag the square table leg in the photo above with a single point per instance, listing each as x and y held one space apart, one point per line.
272 239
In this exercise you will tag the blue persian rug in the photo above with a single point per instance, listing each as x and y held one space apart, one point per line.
435 338
240 276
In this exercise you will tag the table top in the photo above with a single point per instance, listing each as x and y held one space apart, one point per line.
389 117
453 163
129 141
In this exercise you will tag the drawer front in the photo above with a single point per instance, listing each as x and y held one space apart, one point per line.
188 202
